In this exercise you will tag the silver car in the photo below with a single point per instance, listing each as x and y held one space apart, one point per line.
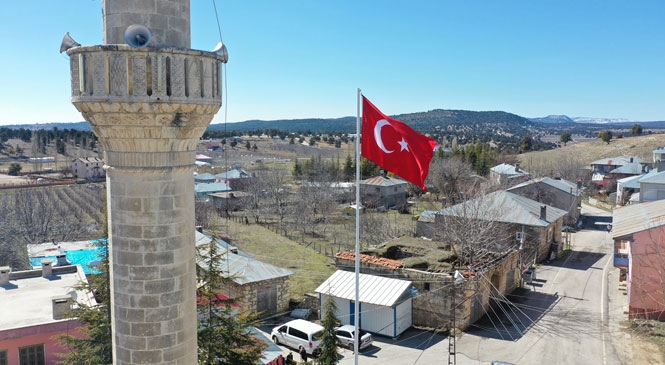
346 333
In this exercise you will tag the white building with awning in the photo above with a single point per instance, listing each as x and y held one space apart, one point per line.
385 304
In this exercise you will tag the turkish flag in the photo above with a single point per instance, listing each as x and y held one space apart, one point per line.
395 146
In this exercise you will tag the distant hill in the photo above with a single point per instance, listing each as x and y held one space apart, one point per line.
501 129
423 121
553 119
80 126
320 125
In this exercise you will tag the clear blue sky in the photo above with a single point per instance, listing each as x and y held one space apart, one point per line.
302 59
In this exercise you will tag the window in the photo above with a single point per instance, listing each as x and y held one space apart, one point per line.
3 357
298 333
31 355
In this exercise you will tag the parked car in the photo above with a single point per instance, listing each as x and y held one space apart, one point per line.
298 334
346 333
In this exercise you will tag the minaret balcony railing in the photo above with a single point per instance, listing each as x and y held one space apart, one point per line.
119 73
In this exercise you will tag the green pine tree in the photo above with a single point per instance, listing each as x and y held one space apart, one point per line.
224 338
329 340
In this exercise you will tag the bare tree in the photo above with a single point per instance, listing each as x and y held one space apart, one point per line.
473 227
448 176
204 213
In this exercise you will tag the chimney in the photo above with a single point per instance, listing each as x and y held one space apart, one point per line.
543 212
631 160
517 167
47 268
579 184
61 305
62 260
4 274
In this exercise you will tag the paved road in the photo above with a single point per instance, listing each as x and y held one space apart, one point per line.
564 316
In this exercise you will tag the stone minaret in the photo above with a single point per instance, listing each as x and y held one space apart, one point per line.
149 107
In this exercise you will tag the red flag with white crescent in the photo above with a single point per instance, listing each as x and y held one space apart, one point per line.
395 146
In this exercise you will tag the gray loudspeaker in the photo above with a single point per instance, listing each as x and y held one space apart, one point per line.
222 52
137 36
68 42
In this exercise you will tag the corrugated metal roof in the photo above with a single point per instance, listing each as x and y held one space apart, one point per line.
561 184
630 182
656 177
383 181
629 168
372 289
507 169
235 173
427 216
504 206
211 187
617 161
241 267
635 218
204 176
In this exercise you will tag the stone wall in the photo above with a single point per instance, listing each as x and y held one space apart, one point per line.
248 294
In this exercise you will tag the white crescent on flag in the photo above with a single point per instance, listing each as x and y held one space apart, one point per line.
377 135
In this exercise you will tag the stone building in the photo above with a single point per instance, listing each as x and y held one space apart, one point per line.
383 191
258 287
478 287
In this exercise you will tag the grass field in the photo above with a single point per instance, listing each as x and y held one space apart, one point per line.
310 267
592 150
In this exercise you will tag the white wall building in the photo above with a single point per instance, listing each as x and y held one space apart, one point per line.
88 168
385 304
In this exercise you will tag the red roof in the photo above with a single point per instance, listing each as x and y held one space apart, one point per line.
369 259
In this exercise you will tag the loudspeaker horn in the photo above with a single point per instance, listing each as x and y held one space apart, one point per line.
221 51
68 42
137 36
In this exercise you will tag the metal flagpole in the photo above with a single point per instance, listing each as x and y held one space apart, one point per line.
356 310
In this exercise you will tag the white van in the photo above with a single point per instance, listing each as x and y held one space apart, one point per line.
297 334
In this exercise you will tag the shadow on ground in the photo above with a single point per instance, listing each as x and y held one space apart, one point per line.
509 321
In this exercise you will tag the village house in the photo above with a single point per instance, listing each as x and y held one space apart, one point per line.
658 154
258 287
202 191
90 168
557 192
638 232
33 307
230 200
236 178
518 221
203 159
609 169
204 178
642 188
383 191
212 145
508 175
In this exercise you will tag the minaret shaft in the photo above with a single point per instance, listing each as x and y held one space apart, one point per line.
149 107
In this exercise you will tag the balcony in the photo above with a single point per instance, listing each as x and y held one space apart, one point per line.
121 74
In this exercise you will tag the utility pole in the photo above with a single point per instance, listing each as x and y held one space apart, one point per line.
452 357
